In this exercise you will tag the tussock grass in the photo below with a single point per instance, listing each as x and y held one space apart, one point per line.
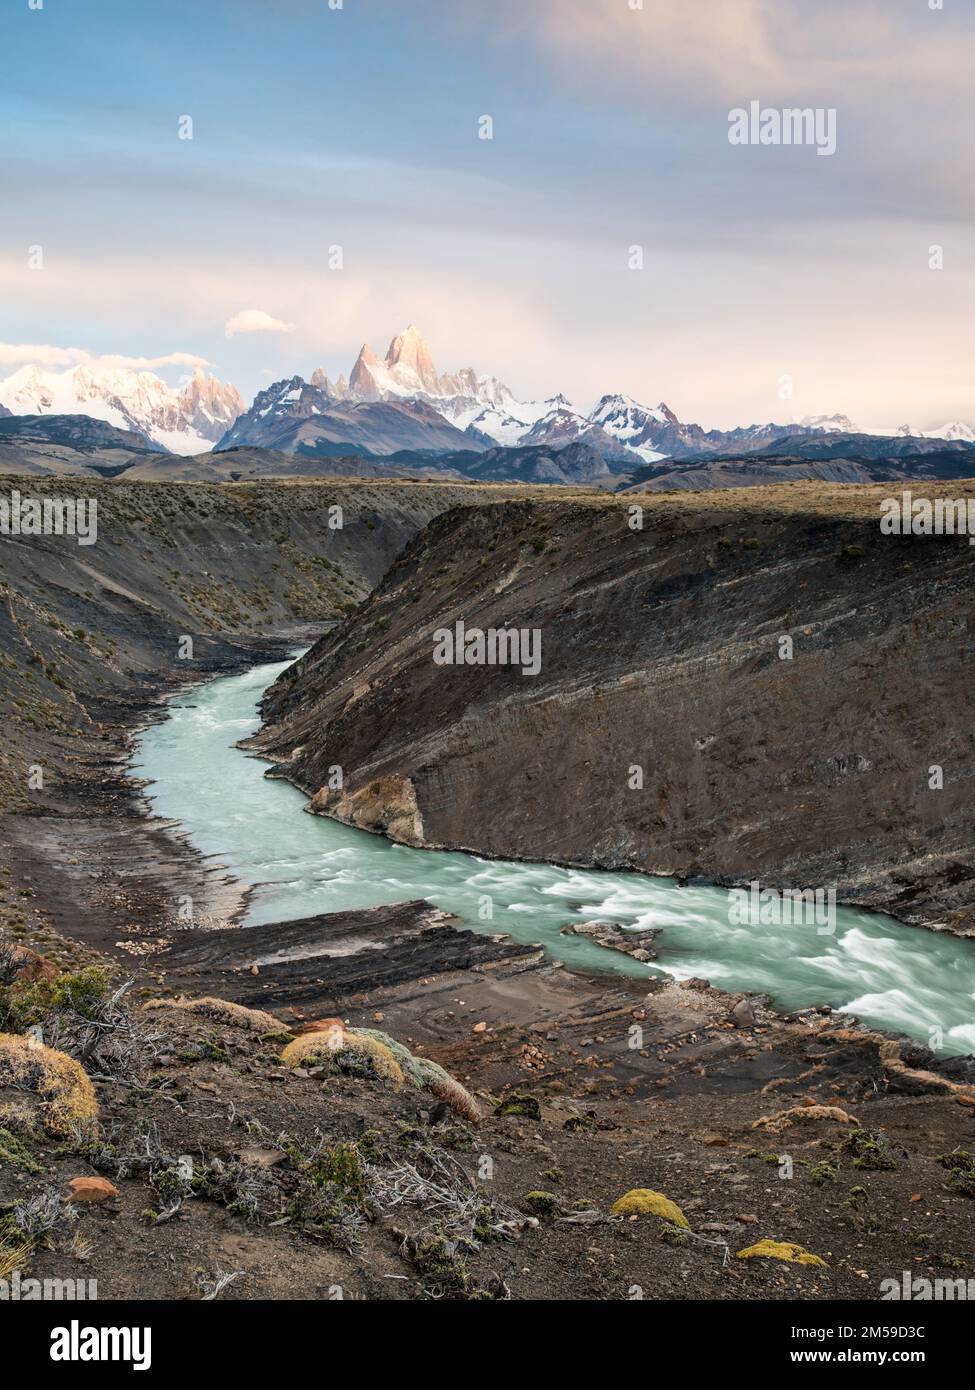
66 1095
222 1011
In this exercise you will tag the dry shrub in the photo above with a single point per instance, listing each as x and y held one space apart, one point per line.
448 1089
62 1085
410 1065
222 1011
347 1050
803 1114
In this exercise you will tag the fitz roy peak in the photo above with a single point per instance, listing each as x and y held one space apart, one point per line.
408 370
401 404
430 411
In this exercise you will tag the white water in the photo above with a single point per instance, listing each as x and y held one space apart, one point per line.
904 979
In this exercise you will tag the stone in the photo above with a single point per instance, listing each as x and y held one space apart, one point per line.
261 1158
743 1015
31 967
638 944
320 1025
91 1190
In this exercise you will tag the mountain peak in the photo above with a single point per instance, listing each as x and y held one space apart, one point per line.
363 377
185 419
954 429
829 424
409 353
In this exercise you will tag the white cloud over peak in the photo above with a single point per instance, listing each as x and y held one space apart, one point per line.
255 321
46 355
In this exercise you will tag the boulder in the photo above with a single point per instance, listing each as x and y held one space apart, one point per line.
29 967
638 944
91 1190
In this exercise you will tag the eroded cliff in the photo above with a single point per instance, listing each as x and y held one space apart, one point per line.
753 684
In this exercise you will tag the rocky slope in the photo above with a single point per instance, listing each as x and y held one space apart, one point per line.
662 660
39 445
296 418
568 1163
578 464
83 628
326 1178
93 638
859 459
244 463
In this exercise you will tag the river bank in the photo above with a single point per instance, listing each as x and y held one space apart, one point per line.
588 1086
735 686
891 976
185 582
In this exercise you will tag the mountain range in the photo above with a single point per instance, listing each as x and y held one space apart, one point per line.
41 445
180 421
401 405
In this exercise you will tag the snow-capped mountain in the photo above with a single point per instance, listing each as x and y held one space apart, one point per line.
618 427
829 424
295 417
182 421
955 429
483 407
408 371
635 426
402 402
486 409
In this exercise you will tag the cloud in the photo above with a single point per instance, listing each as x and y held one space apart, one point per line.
46 355
255 321
689 55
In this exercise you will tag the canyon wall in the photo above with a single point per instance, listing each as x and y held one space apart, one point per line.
753 684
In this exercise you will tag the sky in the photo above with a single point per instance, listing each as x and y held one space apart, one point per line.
775 282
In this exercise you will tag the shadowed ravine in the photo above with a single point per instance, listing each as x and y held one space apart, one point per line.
896 977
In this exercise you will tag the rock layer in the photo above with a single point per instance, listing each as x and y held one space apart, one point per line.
756 684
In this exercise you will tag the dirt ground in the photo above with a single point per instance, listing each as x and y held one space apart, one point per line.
519 1204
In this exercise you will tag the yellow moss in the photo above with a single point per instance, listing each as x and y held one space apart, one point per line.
380 1055
340 1043
311 1046
781 1250
62 1085
222 1011
643 1201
